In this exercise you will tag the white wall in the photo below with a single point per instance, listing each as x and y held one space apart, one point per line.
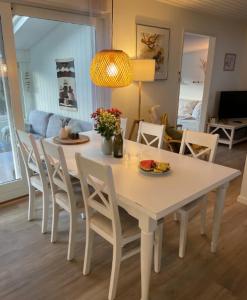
229 38
191 66
65 41
191 71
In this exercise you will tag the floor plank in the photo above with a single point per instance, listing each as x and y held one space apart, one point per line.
33 268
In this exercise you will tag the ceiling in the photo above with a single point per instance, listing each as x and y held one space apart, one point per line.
31 31
195 42
226 8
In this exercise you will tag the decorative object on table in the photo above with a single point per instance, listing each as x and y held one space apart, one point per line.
153 43
143 70
107 121
66 84
229 61
118 143
64 132
71 141
153 167
212 120
74 136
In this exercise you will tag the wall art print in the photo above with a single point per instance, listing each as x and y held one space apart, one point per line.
66 84
153 43
229 61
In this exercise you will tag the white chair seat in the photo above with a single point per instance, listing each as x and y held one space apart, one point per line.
63 201
36 182
103 225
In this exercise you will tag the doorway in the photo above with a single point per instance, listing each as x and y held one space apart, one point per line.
195 79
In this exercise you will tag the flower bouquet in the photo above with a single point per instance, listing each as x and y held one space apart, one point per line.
107 122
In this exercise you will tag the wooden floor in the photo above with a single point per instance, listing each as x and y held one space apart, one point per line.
31 268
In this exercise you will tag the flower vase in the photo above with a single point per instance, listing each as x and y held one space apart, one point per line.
106 146
63 133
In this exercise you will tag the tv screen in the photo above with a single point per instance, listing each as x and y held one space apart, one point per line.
233 105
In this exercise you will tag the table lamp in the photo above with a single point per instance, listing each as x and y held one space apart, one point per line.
143 71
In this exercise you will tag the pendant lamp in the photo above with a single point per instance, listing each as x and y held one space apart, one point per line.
111 68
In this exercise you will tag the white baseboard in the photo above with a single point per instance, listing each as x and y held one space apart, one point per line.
242 199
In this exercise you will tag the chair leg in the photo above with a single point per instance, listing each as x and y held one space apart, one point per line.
46 201
55 215
31 202
183 234
72 236
88 250
203 216
116 260
158 243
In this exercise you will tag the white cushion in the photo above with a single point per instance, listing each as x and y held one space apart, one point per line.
196 114
186 107
129 224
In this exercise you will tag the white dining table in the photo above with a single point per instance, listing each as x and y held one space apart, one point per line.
151 198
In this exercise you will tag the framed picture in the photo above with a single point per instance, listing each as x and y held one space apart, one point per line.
153 43
229 61
66 84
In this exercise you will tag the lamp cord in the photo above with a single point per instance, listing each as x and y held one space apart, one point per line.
112 20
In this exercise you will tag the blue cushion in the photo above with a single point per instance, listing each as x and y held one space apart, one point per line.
55 124
39 121
79 126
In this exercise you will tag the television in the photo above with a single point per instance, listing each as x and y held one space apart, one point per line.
233 105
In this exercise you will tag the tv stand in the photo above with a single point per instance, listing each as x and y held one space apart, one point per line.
231 131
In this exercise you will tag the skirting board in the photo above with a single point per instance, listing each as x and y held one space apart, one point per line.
242 199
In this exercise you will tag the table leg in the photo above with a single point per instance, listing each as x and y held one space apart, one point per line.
148 227
218 211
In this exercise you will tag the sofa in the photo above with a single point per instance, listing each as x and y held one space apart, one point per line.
44 124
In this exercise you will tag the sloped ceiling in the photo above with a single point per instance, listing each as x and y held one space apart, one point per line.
236 9
32 31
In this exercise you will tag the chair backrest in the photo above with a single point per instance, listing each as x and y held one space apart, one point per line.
58 171
103 197
151 130
200 144
123 125
154 114
30 155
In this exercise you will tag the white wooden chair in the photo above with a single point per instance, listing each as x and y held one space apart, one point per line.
36 175
150 133
123 125
65 195
104 217
207 150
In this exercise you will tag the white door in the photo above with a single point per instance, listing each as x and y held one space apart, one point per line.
12 176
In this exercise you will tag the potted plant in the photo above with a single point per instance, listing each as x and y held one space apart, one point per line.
106 123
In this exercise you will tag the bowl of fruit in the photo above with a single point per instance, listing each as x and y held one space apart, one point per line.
152 167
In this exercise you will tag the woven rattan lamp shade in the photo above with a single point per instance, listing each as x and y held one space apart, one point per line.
111 68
